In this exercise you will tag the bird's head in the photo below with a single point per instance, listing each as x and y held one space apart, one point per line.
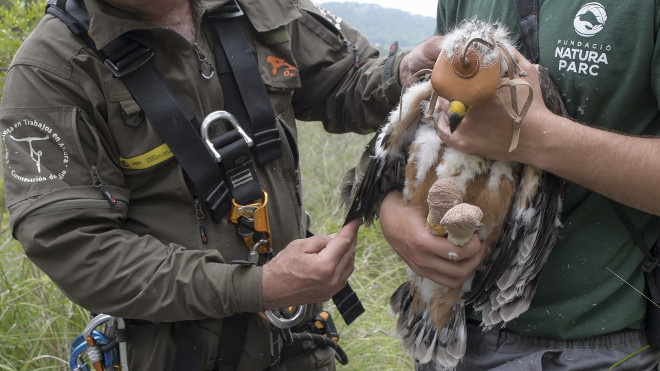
469 67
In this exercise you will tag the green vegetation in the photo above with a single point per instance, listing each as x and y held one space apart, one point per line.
383 26
369 341
17 18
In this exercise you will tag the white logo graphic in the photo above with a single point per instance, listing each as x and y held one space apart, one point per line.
42 144
590 20
36 155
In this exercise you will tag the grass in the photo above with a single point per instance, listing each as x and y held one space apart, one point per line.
369 341
38 323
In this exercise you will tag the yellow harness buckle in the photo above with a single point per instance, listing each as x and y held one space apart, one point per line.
256 216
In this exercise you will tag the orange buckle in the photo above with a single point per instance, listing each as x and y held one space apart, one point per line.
257 214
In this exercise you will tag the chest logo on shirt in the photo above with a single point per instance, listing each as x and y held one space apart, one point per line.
38 151
289 70
590 20
581 55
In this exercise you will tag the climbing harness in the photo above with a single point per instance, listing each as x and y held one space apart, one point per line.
105 350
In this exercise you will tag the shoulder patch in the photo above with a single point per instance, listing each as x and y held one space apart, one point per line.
33 145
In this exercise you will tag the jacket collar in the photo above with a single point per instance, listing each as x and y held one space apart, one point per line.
265 15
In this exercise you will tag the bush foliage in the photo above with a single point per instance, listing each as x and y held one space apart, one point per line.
17 18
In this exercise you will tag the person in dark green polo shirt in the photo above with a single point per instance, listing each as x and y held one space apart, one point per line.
602 56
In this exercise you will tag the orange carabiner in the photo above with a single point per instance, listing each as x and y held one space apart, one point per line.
257 214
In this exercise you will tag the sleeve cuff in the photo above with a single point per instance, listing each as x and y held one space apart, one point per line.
246 285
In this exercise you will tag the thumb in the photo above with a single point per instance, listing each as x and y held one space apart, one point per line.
343 241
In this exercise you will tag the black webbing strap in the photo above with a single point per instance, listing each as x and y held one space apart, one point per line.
527 12
389 62
652 258
232 341
175 122
241 82
73 15
189 347
238 167
651 269
348 304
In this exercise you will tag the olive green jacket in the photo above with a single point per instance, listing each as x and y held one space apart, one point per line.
66 129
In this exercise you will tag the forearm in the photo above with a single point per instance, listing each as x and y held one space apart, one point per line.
108 270
618 166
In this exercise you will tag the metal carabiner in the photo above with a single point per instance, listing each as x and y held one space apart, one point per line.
93 352
219 116
80 346
287 323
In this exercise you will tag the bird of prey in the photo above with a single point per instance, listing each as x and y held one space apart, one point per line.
513 207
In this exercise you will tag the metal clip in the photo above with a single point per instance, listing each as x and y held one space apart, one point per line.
253 256
220 116
257 215
93 351
276 318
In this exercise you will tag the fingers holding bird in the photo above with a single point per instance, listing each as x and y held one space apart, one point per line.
428 255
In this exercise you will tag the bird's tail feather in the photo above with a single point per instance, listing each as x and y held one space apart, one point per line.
421 335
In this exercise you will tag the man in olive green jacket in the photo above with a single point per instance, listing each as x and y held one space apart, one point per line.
100 204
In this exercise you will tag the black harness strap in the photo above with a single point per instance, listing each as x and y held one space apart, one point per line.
176 124
189 347
241 82
348 304
651 269
232 342
528 23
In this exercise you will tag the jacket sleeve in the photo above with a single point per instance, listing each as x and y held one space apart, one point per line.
52 117
341 74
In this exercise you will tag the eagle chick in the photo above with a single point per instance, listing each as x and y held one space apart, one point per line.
513 207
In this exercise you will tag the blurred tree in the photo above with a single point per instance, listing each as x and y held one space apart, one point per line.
17 19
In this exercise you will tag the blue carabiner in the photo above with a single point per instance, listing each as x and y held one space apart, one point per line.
79 346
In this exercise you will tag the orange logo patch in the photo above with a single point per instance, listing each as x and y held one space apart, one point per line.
289 71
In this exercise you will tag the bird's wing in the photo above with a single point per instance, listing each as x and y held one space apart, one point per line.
506 281
382 166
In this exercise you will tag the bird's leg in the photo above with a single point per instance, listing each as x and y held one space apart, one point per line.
442 196
448 215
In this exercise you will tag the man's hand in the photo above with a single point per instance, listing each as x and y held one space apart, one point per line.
428 255
423 56
310 270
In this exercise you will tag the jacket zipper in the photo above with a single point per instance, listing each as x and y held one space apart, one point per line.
354 48
98 183
199 213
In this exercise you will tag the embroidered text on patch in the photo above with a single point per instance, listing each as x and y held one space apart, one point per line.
37 142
